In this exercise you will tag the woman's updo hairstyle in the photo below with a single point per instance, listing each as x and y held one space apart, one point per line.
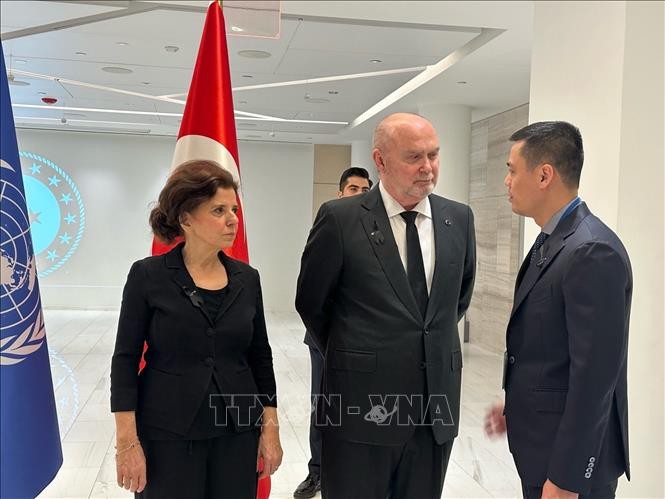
187 187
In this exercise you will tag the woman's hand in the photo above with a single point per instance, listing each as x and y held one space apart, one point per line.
129 458
130 466
269 447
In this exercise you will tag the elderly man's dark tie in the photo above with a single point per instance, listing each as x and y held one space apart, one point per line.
540 240
415 269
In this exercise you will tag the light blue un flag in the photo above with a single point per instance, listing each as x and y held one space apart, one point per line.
31 454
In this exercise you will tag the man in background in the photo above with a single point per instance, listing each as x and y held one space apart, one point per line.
354 181
566 407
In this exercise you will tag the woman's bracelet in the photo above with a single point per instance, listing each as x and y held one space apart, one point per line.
129 447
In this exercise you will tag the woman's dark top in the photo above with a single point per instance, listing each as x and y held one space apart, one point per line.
211 420
193 351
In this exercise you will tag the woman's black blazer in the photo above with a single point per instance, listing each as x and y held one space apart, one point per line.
187 347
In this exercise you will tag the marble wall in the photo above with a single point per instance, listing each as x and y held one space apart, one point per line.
498 230
330 161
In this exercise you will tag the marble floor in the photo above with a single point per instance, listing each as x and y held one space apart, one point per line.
81 344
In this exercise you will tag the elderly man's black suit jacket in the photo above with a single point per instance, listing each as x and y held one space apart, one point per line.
566 403
354 296
187 347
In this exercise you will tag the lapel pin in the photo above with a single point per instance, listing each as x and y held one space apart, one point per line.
447 222
376 234
377 237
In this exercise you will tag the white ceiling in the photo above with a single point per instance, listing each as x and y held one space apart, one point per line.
316 39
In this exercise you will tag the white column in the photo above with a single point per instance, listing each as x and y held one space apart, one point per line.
453 125
361 155
599 65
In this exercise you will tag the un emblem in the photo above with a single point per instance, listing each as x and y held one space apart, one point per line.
55 210
22 323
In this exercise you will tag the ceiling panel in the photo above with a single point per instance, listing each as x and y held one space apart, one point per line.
352 94
368 39
100 40
324 63
17 14
307 48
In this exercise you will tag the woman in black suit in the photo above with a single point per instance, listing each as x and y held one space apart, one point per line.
193 422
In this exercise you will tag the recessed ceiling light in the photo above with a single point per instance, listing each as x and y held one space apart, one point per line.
245 125
253 136
41 93
146 82
376 61
237 29
122 44
308 138
20 61
333 92
462 82
81 53
117 70
242 102
74 115
254 54
171 48
247 76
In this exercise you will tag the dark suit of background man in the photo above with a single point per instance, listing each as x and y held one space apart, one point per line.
354 181
566 409
382 292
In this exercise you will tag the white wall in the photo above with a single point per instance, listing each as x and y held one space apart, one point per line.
119 176
576 76
277 184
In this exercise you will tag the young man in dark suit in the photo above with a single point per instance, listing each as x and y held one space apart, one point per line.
354 181
384 280
566 409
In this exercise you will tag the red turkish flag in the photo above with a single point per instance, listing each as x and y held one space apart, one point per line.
207 130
